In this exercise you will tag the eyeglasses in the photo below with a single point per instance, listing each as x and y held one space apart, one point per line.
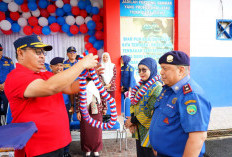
142 70
38 51
72 52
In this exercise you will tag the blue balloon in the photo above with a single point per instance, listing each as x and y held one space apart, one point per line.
32 6
60 20
91 25
51 19
65 28
3 6
15 27
89 9
31 1
46 30
91 32
87 2
69 13
10 20
97 45
59 12
19 2
92 39
43 4
95 10
82 4
69 33
67 8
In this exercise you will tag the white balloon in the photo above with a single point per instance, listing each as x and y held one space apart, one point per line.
12 6
73 3
80 20
43 21
7 1
99 53
36 13
59 3
26 15
87 19
70 20
5 25
96 4
22 21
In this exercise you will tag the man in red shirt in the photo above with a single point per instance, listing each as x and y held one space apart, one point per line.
36 95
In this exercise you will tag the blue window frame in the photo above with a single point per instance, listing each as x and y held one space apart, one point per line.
224 29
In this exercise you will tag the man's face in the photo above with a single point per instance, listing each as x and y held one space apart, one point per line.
170 74
1 52
105 58
72 55
57 68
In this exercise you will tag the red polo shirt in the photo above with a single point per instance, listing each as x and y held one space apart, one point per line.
48 113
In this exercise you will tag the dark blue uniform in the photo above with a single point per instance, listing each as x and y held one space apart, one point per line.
127 77
68 64
179 110
6 65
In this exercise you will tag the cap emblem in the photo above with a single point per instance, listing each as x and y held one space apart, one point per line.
169 58
39 38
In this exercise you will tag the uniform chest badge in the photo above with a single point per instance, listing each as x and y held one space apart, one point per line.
174 100
166 120
187 89
6 62
192 109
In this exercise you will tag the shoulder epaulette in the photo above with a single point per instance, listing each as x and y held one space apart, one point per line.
187 89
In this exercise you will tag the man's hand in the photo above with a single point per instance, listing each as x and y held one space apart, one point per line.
154 152
99 69
133 128
122 88
104 112
71 110
79 116
128 122
89 61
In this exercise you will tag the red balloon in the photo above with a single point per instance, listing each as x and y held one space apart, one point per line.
99 26
27 30
24 7
7 32
51 8
99 35
88 46
83 13
37 30
83 28
75 11
55 27
93 50
2 16
96 18
101 12
33 21
74 29
44 13
14 16
66 1
86 38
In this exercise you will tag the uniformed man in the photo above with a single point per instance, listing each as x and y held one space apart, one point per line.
6 65
182 112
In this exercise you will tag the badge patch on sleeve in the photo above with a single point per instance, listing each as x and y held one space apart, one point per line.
192 109
187 88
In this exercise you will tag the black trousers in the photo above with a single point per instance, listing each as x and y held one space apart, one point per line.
56 153
3 104
143 151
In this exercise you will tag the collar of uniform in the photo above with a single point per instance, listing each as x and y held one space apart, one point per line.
176 87
25 69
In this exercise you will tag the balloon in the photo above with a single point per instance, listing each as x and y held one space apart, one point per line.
99 26
91 32
83 28
55 27
86 38
27 30
99 35
88 46
51 8
65 27
59 12
31 0
81 4
46 30
87 2
7 32
36 13
26 15
19 2
73 3
22 21
44 13
43 21
43 4
15 27
3 6
10 20
32 6
37 30
24 7
95 10
66 1
92 39
69 33
67 8
87 19
5 25
33 21
96 4
12 6
83 13
80 20
59 3
14 16
60 20
74 29
91 25
89 9
98 45
51 19
96 18
53 14
70 20
93 50
101 12
2 16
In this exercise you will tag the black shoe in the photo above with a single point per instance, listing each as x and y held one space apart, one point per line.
66 155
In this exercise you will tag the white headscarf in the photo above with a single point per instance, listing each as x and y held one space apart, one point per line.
92 90
109 69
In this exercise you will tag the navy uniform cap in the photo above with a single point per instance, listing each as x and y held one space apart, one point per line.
175 58
56 60
33 41
71 48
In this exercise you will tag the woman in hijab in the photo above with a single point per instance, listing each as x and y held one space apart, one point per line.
109 76
143 98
